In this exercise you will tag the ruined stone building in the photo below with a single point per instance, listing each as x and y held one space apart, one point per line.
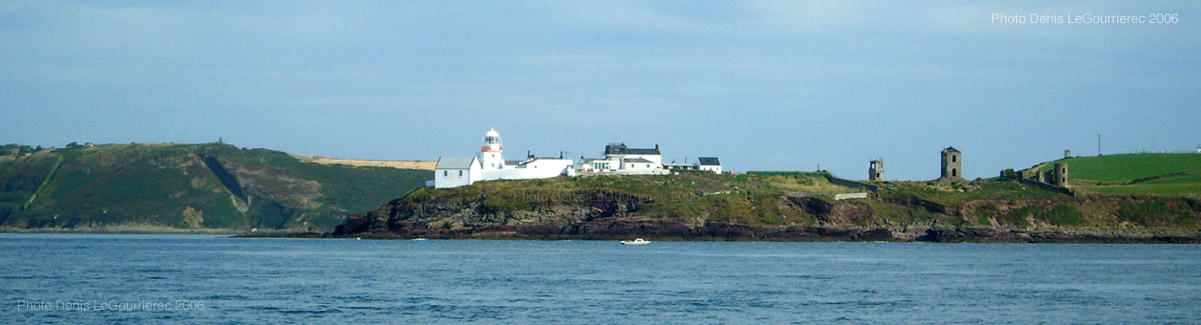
952 164
1059 176
875 173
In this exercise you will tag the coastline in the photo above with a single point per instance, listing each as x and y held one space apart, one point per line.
809 234
148 230
797 234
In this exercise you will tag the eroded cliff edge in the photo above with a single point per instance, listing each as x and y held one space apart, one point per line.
780 206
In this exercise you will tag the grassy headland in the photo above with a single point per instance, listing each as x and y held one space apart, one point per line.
776 206
184 186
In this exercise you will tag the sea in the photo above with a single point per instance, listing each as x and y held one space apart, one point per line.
108 278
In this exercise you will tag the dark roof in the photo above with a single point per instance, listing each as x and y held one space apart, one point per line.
950 149
454 163
708 161
513 162
622 149
637 160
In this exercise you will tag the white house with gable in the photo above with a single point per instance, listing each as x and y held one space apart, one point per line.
709 164
455 172
490 164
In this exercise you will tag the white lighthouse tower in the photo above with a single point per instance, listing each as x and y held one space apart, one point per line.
490 153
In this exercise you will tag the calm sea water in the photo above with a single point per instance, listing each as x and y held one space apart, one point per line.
205 279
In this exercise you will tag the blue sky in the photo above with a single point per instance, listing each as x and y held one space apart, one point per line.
763 85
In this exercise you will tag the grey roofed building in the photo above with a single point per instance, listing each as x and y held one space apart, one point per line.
622 149
638 160
455 163
674 165
708 161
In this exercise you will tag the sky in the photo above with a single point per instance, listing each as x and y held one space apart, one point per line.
780 85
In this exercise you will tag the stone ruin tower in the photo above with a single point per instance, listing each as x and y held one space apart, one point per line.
875 173
952 164
1059 176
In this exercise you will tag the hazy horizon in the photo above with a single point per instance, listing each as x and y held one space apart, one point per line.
762 85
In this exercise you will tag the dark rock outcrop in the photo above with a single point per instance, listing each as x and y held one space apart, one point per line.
611 215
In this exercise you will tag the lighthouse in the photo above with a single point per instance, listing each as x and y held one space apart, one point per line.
490 165
490 152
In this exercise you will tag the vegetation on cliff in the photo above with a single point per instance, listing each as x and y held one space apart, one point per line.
786 206
185 186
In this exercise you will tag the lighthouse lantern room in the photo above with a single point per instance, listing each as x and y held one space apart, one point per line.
490 152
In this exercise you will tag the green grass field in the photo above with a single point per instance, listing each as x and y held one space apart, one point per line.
1128 167
1172 185
1146 173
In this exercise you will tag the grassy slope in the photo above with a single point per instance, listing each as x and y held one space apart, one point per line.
1127 167
1193 189
760 200
750 199
980 202
960 193
1129 173
171 186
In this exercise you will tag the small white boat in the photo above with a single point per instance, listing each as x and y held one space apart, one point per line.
636 242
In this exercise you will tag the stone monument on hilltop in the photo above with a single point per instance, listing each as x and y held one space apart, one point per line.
952 165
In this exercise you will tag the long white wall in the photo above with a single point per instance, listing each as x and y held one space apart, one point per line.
539 168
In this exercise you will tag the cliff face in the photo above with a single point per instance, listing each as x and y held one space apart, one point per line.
610 215
567 208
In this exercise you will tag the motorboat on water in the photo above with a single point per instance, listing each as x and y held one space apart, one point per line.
636 242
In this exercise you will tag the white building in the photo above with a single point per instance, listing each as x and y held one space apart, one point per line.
491 165
455 172
709 164
623 160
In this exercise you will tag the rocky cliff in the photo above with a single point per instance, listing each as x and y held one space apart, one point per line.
775 207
